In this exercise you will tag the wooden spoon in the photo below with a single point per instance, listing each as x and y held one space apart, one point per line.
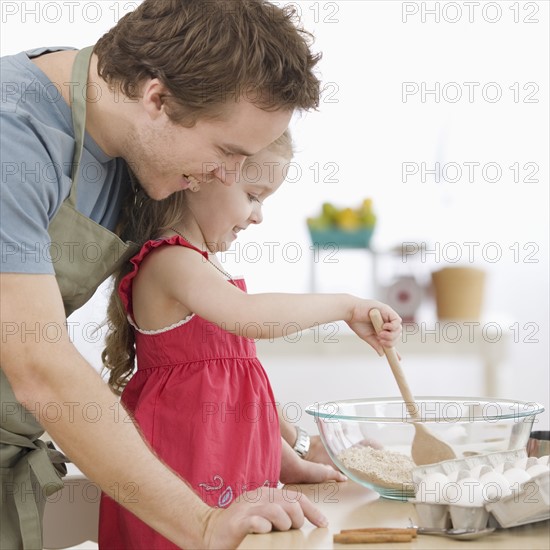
426 447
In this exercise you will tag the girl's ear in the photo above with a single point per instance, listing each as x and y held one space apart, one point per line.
194 187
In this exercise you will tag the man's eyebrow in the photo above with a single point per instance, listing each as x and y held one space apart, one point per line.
235 149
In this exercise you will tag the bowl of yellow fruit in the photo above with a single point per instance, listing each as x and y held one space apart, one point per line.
343 227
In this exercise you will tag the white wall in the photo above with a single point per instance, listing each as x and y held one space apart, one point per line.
366 130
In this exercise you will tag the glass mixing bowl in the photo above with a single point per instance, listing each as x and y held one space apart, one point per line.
370 439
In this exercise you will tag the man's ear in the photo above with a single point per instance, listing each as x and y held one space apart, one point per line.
153 94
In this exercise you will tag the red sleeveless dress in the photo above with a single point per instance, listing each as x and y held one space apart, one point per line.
204 403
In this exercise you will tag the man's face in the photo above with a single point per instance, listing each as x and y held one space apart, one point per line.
167 157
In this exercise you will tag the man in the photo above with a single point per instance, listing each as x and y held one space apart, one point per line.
178 91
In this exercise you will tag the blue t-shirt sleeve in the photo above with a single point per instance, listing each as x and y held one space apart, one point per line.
30 193
36 147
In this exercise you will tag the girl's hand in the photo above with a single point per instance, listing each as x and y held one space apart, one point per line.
298 470
361 324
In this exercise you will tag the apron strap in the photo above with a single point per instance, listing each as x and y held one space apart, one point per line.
47 466
49 481
77 96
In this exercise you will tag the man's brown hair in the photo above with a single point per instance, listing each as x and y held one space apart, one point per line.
207 52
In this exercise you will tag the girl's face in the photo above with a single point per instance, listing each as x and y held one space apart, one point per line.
218 212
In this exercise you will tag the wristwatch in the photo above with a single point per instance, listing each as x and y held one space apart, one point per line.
301 447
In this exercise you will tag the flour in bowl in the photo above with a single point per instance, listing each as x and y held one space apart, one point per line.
378 466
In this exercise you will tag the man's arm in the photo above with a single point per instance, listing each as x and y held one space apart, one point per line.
108 448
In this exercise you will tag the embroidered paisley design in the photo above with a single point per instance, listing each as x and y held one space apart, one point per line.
226 497
217 485
212 487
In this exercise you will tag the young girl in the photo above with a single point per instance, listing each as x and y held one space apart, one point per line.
200 395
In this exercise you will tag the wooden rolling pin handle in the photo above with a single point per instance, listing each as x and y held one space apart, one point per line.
393 360
362 538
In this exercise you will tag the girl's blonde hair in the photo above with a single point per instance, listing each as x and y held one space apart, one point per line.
282 145
144 219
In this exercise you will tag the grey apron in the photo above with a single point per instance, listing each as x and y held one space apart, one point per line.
31 469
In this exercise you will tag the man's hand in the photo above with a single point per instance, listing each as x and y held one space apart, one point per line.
260 511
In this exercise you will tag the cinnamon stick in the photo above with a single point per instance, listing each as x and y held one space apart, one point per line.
395 530
361 538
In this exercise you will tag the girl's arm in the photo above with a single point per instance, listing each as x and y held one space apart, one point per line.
186 277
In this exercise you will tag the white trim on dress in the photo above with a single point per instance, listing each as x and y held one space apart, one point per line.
161 330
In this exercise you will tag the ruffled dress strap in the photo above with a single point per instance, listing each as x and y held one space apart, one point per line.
125 286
